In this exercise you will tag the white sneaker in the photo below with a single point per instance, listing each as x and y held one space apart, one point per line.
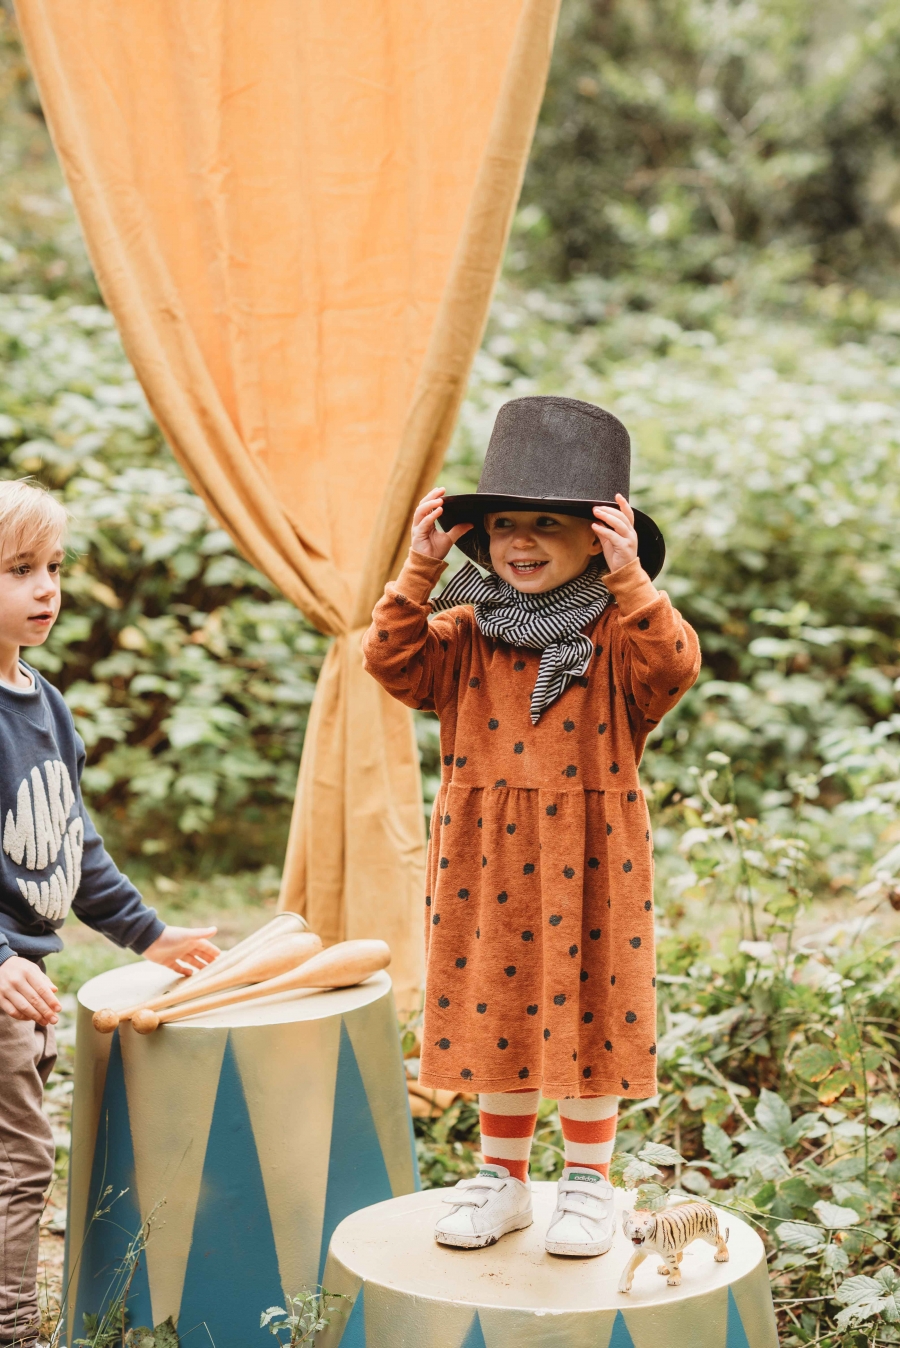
585 1219
485 1208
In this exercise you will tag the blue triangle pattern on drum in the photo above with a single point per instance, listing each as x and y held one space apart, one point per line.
357 1174
475 1336
354 1335
620 1337
107 1238
232 1273
737 1334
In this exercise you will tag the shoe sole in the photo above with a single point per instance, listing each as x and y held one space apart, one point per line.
586 1251
486 1238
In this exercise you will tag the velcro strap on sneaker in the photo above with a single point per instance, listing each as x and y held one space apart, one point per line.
577 1204
602 1191
474 1193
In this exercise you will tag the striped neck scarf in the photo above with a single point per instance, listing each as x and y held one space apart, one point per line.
551 622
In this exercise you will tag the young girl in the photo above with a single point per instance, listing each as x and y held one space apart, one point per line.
539 910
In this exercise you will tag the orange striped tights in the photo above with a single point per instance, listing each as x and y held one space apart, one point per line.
508 1121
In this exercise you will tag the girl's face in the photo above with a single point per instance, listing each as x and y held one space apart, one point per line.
535 551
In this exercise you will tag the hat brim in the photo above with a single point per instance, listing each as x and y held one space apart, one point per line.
472 507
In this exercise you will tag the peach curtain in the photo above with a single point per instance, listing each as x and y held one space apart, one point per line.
296 211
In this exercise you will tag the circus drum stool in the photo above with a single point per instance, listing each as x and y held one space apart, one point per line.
252 1131
409 1292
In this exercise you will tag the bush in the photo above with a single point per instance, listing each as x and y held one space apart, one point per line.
188 676
676 135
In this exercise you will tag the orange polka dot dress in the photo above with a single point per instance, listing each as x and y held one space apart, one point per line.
540 963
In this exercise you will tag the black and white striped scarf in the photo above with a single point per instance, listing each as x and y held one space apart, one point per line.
551 622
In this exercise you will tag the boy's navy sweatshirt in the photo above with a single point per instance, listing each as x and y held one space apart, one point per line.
51 856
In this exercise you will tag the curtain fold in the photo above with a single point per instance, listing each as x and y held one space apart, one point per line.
296 213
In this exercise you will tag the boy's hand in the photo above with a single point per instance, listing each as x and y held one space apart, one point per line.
426 537
26 993
183 949
617 533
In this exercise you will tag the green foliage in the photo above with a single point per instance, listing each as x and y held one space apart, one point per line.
41 249
678 135
108 1327
188 676
162 1336
309 1314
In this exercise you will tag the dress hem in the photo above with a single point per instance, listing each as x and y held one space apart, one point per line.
551 1090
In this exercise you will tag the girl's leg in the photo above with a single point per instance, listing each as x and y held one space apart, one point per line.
494 1202
584 1222
589 1131
508 1122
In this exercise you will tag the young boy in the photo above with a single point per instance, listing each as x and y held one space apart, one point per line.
540 971
52 859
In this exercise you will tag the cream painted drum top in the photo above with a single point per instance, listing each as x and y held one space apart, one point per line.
409 1291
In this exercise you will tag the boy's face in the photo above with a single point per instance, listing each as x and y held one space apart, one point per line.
535 551
29 596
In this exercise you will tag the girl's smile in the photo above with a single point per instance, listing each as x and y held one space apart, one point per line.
534 551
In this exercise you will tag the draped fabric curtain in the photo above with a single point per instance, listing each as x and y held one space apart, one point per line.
296 210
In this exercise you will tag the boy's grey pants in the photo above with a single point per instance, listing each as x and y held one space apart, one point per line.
27 1055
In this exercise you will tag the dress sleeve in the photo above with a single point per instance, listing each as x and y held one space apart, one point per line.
658 650
414 656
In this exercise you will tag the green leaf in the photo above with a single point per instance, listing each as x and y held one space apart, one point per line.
860 1288
867 1297
800 1236
885 1109
808 1125
651 1198
814 1062
636 1171
718 1144
831 1215
773 1114
798 1193
166 1335
269 1315
834 1086
657 1153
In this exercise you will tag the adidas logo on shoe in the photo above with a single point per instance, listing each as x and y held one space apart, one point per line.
587 1177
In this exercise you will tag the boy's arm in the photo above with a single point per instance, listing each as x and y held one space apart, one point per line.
660 653
410 656
107 901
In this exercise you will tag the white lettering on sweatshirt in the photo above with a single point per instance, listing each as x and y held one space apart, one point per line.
39 831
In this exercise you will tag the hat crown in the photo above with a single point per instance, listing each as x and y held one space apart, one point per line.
561 448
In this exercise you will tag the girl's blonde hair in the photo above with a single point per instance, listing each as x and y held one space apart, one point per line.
30 518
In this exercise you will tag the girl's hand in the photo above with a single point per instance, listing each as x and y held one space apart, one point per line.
616 533
426 537
183 949
26 993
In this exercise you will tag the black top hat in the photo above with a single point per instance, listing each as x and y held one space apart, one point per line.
558 453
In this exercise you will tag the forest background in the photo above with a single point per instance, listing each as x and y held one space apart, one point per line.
708 243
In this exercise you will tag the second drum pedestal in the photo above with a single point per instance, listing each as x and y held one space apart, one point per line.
409 1292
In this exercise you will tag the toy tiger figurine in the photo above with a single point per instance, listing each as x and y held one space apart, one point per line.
667 1233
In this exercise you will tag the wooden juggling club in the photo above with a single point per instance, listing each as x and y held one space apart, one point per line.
341 966
278 956
283 924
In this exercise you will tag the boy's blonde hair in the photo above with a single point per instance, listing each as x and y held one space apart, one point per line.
30 518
